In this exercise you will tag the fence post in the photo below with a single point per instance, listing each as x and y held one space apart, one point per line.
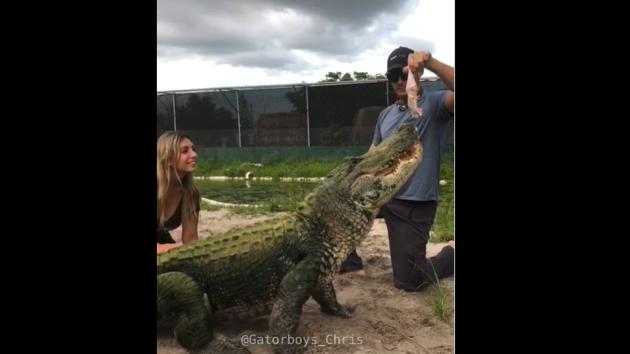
238 119
308 120
174 114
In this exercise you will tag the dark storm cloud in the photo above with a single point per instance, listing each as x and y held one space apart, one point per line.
263 33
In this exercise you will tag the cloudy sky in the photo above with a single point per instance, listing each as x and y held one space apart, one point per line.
208 43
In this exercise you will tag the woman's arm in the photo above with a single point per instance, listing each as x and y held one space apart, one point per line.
189 230
165 247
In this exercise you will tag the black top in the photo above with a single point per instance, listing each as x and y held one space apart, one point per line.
163 235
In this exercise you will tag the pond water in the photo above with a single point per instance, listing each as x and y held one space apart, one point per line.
285 195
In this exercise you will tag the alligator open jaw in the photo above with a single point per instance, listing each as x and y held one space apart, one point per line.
407 157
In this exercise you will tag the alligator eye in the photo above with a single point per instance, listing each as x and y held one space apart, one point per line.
372 194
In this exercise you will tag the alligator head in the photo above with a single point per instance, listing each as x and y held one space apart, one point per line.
350 197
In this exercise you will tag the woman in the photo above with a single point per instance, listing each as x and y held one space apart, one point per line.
178 200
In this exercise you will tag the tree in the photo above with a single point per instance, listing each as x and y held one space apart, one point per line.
298 99
164 114
358 76
332 77
362 75
201 113
346 77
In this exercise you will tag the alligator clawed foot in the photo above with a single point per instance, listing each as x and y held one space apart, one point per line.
341 311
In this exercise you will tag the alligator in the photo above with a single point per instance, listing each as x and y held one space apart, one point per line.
274 266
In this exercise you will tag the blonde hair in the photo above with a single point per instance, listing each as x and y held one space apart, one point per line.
167 157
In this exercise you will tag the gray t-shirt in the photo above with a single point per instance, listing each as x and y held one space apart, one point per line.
433 132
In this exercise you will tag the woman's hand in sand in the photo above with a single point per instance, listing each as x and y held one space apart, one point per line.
162 248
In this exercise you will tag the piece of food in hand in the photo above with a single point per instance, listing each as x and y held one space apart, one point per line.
412 96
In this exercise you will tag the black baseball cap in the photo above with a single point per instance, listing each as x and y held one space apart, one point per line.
398 58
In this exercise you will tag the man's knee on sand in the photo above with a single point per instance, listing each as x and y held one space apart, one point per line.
426 271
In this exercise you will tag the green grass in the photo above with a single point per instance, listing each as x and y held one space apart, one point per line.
443 227
444 223
270 168
253 211
441 299
273 205
210 207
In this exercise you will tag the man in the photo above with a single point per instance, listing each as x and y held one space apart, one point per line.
410 215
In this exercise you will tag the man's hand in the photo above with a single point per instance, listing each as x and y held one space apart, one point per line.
417 61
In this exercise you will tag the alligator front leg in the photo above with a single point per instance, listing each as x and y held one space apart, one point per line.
179 296
325 296
293 292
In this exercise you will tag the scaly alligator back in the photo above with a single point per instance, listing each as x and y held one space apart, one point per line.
243 267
